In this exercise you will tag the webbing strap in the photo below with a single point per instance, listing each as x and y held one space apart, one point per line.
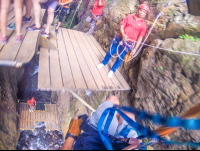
145 131
188 124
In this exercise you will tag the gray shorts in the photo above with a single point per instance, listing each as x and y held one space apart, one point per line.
114 128
52 4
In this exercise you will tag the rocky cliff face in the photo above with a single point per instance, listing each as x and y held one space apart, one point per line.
9 134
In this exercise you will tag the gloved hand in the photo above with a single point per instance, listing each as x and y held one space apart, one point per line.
74 126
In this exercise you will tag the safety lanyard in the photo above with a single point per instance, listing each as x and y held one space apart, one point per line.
157 119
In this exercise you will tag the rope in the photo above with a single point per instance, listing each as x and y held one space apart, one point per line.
182 52
75 12
82 101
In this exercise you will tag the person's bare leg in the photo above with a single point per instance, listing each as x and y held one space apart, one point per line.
59 23
37 11
49 19
29 6
4 11
18 4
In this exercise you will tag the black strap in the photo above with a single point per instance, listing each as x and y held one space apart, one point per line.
71 135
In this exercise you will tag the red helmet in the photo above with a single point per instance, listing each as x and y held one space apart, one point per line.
145 7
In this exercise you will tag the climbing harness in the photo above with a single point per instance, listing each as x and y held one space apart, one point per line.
125 44
188 124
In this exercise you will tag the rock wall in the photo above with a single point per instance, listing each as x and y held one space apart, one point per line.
9 134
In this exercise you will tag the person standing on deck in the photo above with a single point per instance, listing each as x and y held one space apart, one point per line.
95 14
18 4
65 8
133 28
32 103
51 5
26 18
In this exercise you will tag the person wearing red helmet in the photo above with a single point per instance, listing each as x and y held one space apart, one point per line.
133 28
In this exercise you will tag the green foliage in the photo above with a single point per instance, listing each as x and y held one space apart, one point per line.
159 68
189 37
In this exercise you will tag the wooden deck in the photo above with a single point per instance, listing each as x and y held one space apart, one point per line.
73 65
24 51
49 116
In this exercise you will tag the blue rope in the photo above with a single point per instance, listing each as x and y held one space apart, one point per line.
188 124
170 122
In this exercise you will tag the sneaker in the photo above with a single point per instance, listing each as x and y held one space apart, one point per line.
11 26
33 28
56 30
29 110
3 40
19 39
43 33
110 74
24 19
100 66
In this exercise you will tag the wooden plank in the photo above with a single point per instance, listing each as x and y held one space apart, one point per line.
55 73
11 7
107 81
82 62
11 15
53 38
94 71
77 74
110 63
44 73
29 45
106 68
66 72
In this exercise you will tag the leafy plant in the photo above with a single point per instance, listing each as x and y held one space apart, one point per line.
189 37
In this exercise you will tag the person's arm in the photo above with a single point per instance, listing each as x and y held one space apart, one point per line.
139 41
74 131
100 4
124 36
68 144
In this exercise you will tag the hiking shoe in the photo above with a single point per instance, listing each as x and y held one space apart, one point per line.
110 74
24 19
43 33
56 31
3 40
33 28
19 39
11 26
100 66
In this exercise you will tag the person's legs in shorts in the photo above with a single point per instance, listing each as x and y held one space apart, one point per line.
51 9
29 6
18 5
37 12
94 119
62 14
4 12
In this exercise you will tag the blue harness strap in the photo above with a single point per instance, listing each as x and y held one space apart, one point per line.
157 119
